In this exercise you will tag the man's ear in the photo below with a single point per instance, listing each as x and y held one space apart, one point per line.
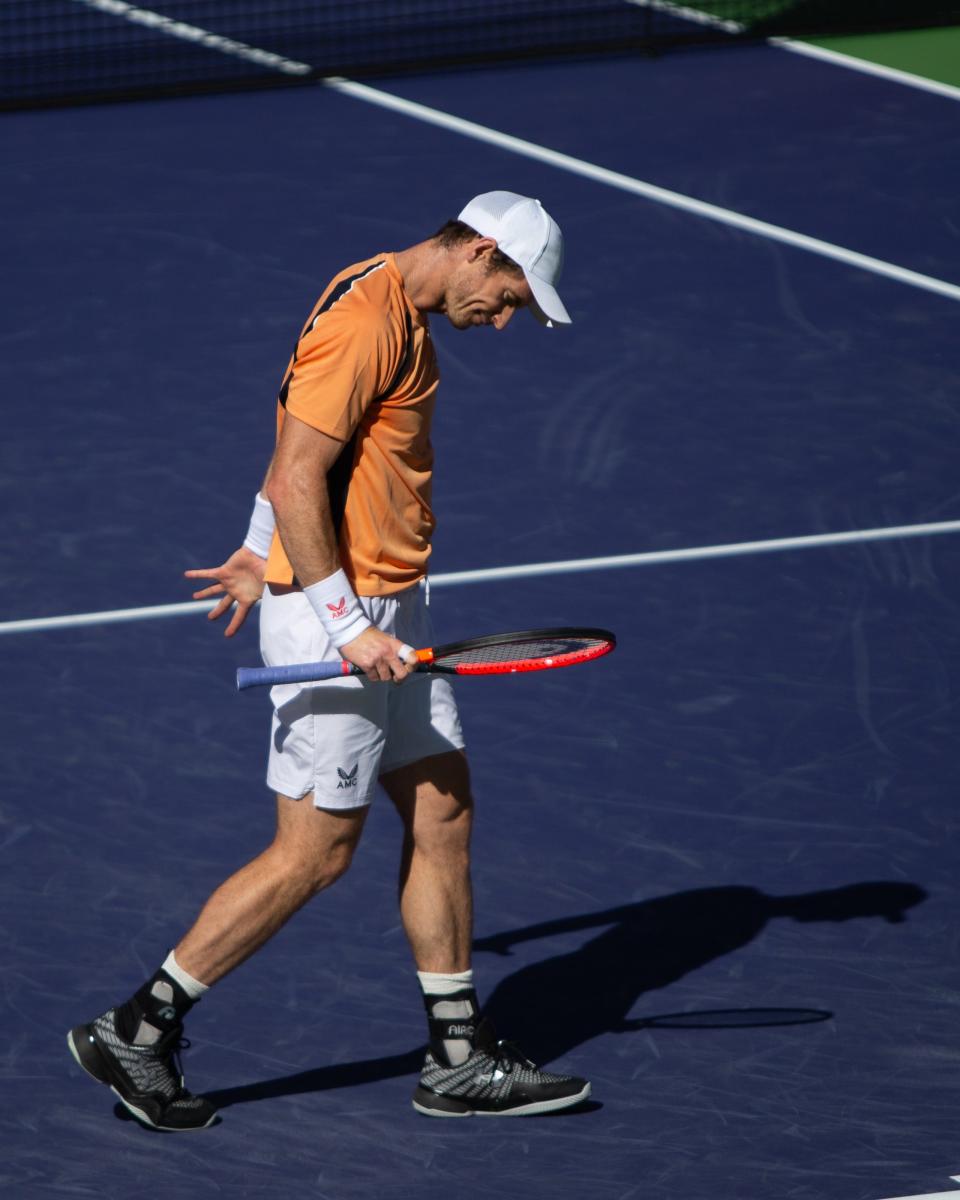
480 248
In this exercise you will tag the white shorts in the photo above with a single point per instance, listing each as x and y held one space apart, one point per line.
337 737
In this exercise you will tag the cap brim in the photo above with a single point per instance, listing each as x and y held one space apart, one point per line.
546 305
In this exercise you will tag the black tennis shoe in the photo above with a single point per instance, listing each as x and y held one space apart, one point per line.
495 1081
146 1078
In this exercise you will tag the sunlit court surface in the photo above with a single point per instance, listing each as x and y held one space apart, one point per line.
715 871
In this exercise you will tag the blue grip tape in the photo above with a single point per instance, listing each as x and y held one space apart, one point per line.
297 673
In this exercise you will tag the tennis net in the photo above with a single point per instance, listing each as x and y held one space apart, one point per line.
69 51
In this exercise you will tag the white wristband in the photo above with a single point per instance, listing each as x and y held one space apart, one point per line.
334 602
260 534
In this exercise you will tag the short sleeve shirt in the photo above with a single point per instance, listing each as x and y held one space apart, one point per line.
364 372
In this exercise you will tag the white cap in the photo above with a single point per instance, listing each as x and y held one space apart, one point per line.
525 232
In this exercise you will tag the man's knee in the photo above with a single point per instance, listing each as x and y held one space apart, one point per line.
316 845
325 870
442 827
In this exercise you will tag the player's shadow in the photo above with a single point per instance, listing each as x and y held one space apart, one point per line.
558 1003
551 1006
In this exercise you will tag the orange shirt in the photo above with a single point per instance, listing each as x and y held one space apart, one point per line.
364 372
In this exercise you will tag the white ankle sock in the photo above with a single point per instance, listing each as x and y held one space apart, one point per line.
439 984
193 987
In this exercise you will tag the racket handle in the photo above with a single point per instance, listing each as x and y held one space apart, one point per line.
248 677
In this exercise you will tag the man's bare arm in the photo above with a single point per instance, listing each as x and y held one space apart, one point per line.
296 486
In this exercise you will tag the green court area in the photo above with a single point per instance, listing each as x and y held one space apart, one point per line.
932 53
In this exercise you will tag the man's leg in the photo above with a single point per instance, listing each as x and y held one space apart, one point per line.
433 799
132 1047
313 847
436 904
467 1070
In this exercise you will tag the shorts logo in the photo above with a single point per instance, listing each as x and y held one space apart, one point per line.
348 779
338 610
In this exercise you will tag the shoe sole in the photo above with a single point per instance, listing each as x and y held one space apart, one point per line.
88 1057
433 1105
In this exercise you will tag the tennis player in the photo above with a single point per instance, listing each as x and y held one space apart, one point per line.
338 545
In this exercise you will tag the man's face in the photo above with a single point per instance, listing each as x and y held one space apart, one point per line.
476 295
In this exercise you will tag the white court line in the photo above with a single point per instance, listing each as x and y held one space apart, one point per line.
639 187
954 1195
835 57
893 74
200 37
690 14
530 571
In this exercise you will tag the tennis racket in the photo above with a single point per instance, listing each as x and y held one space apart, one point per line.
498 654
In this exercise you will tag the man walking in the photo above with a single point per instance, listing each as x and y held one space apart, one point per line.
338 546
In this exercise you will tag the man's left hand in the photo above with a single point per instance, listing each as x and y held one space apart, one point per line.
238 581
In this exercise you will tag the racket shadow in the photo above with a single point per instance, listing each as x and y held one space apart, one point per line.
728 1018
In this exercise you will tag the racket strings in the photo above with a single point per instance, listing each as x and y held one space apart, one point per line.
536 649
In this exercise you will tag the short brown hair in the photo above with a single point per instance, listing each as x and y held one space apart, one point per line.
455 232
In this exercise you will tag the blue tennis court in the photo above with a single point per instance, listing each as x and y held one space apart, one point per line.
714 871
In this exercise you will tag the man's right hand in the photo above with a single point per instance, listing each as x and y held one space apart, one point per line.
239 580
378 656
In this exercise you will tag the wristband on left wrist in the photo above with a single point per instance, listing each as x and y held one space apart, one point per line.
262 523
